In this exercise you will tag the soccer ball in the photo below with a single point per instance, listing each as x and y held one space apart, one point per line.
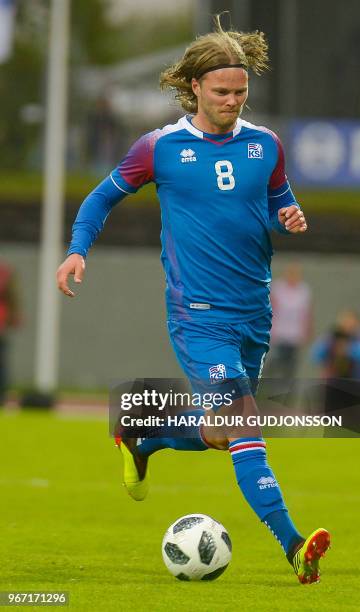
196 547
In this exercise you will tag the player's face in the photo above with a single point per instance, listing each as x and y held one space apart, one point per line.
221 96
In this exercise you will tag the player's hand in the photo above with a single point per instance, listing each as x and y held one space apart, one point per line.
293 219
74 264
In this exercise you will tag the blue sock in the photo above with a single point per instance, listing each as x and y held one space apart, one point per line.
261 490
282 527
171 437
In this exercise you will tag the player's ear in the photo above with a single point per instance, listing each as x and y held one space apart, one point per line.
195 85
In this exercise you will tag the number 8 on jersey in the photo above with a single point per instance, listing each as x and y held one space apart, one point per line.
225 178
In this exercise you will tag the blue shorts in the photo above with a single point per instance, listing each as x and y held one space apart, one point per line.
212 353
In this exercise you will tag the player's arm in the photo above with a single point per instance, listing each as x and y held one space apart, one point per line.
87 226
285 213
135 170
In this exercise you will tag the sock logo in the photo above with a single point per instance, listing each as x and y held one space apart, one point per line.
267 482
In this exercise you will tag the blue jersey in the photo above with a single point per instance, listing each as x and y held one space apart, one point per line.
219 197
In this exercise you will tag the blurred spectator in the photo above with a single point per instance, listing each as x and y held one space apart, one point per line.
338 352
292 322
9 318
102 136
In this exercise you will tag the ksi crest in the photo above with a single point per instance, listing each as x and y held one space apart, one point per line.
255 150
217 372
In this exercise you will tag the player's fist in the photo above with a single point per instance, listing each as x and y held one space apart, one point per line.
74 264
292 217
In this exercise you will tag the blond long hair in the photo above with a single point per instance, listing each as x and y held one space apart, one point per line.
219 47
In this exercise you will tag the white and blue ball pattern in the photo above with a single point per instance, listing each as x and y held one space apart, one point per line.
196 547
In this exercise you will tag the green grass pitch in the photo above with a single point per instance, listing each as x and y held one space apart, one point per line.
68 524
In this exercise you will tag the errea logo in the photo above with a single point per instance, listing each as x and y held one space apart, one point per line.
187 155
267 482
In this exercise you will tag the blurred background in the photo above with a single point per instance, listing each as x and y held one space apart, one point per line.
115 328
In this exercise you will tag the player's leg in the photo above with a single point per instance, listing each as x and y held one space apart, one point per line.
261 490
193 343
135 472
254 475
137 450
256 478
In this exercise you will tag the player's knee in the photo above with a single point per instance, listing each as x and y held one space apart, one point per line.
214 439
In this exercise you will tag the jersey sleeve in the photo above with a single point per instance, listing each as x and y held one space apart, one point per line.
280 194
134 170
137 167
92 215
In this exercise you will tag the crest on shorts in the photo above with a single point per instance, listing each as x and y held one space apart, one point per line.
217 372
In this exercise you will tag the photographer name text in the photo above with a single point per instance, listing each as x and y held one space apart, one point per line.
191 420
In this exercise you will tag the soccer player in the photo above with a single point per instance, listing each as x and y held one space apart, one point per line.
222 188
